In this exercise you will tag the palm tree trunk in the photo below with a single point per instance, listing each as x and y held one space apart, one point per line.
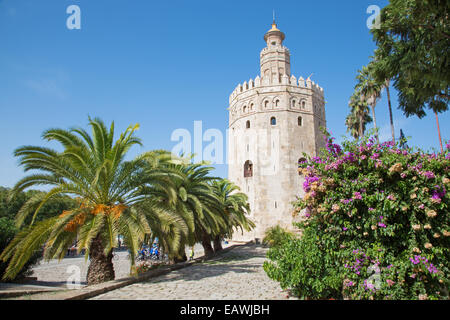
372 106
217 243
181 255
390 111
361 128
101 268
206 243
439 131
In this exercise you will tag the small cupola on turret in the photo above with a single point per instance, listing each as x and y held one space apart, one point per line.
274 37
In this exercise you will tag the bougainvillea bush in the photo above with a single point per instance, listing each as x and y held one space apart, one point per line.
375 225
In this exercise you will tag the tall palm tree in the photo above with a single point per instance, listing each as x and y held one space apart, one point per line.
380 71
233 206
391 119
194 202
359 116
110 199
370 90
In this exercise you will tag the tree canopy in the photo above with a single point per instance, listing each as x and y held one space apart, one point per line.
413 50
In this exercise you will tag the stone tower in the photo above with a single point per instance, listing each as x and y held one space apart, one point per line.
273 120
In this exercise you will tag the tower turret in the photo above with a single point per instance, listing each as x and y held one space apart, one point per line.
275 58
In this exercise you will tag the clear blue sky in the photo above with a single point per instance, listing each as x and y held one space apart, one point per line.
165 64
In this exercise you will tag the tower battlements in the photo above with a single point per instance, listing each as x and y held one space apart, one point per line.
271 82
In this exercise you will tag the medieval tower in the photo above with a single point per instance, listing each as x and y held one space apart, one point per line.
273 120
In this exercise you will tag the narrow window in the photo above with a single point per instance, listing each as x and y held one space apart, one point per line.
273 121
300 121
248 169
266 104
245 109
293 103
247 125
303 104
277 103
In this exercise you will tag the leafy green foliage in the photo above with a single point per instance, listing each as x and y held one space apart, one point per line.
413 43
276 236
7 233
375 216
302 267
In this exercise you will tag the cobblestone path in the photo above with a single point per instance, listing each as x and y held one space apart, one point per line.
235 275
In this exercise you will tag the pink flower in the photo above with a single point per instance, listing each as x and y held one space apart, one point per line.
357 196
390 282
391 197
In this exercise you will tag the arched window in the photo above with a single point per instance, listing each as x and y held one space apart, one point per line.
247 125
300 121
303 104
266 104
277 103
245 109
273 121
251 107
293 103
248 169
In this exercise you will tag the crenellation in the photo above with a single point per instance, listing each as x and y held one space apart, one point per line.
290 83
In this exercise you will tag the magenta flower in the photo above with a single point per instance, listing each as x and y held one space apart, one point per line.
429 174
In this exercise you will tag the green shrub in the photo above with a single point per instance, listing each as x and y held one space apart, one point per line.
275 236
377 218
301 266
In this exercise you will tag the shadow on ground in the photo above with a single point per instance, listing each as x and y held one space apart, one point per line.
232 261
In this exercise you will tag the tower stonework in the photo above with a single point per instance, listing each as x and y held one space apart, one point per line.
273 120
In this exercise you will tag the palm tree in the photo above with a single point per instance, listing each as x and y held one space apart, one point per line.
386 86
194 201
380 71
370 91
359 116
110 195
233 206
